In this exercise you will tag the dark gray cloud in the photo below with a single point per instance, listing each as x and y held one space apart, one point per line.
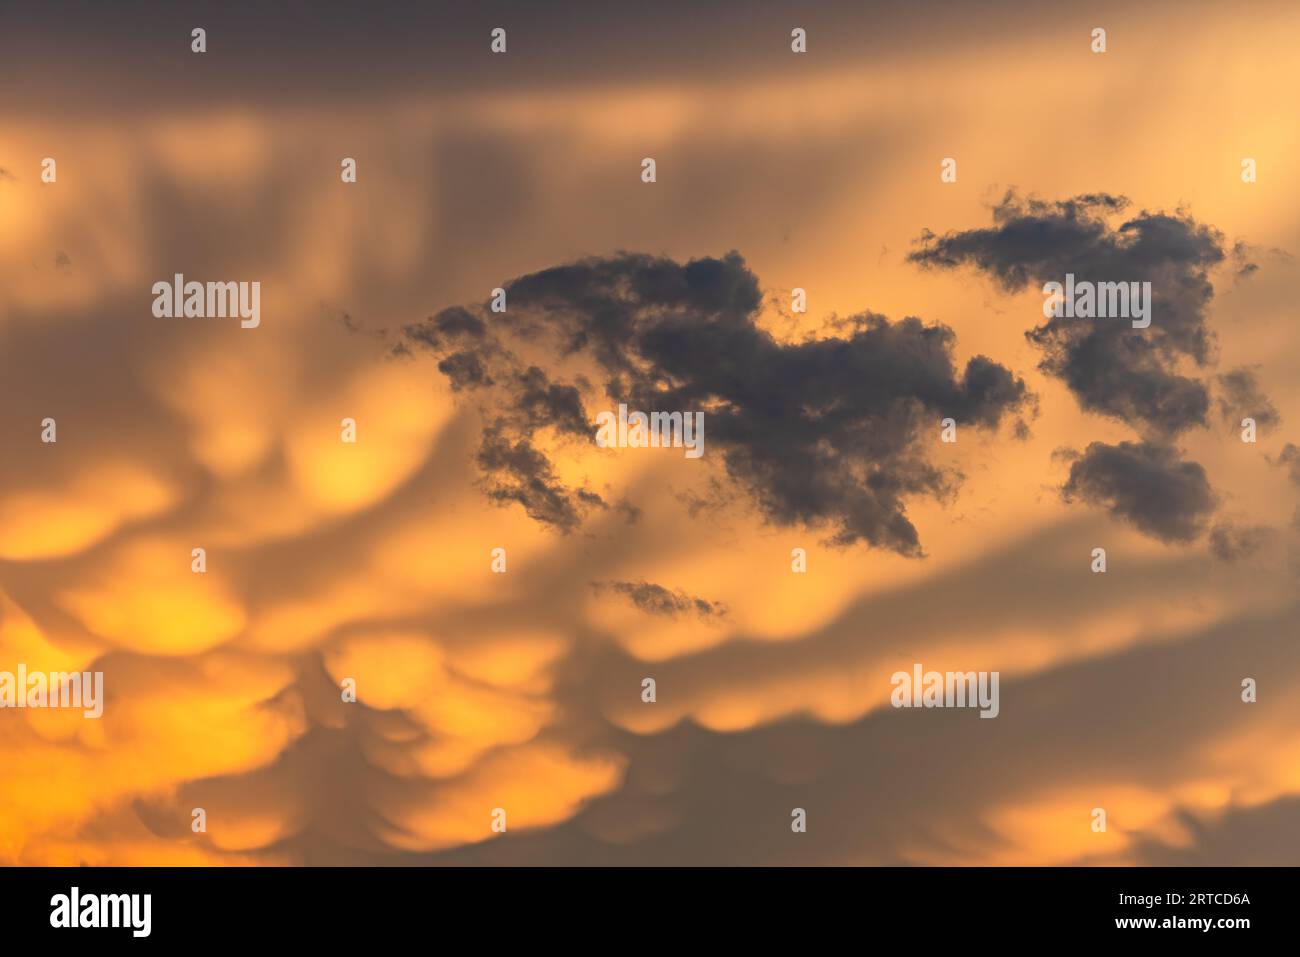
515 471
629 511
513 468
1230 542
827 432
1240 396
1145 483
1135 375
1150 378
1243 259
658 600
1290 459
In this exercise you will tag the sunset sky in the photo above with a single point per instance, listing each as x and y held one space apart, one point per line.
372 561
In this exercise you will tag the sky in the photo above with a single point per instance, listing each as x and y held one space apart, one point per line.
370 564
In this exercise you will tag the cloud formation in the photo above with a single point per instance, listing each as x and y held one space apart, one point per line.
521 690
1229 542
1144 483
1149 378
1289 458
1240 396
1133 375
824 432
657 600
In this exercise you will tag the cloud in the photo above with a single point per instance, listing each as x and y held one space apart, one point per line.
1241 396
438 47
657 600
1230 542
1290 458
1144 483
1054 746
1146 378
1267 835
371 561
825 432
515 471
1133 375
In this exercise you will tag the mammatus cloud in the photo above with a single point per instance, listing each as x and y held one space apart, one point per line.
825 432
1145 377
370 562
